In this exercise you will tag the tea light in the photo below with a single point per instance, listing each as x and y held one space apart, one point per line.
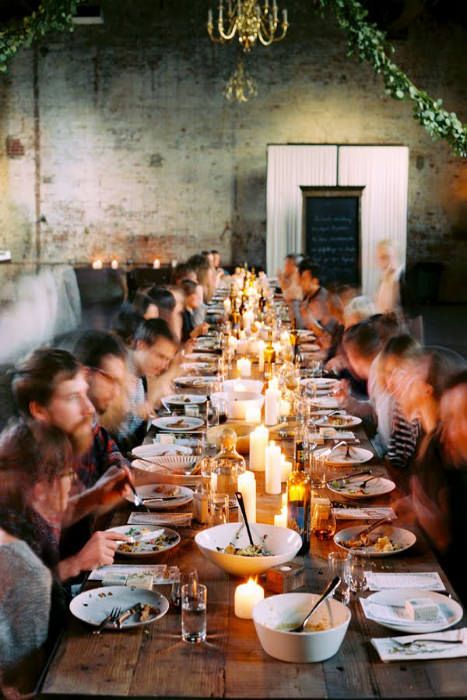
260 347
247 487
97 265
246 597
244 367
156 264
252 413
272 478
114 264
258 443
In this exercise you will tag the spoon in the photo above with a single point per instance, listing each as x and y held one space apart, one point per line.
239 497
327 592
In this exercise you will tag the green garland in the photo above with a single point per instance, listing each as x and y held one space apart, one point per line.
369 44
50 16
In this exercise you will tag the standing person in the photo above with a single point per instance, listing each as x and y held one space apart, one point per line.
387 298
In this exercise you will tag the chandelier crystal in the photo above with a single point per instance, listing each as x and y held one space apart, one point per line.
249 21
240 87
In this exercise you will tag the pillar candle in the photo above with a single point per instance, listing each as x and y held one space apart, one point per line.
258 442
272 478
280 520
246 597
286 469
252 413
261 345
248 318
285 407
271 406
244 367
156 264
247 487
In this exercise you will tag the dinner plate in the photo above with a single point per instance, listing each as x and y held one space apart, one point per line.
319 382
187 381
94 605
186 479
376 487
325 402
158 449
400 538
196 367
183 495
201 357
346 422
358 455
178 424
450 608
148 548
183 399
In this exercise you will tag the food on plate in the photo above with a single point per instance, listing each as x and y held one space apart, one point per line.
422 609
139 546
339 421
251 550
381 544
180 423
319 626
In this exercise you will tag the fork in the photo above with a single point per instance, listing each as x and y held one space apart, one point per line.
425 639
109 619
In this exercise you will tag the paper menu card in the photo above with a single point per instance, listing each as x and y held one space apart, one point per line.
363 513
392 649
424 580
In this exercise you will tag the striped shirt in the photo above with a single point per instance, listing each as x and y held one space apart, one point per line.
403 440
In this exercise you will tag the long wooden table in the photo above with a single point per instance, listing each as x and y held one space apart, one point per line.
154 662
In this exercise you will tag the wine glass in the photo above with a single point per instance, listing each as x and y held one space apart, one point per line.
323 521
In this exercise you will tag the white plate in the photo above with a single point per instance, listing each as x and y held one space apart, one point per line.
187 381
186 479
93 606
184 496
183 399
179 464
158 449
375 487
178 424
404 539
451 608
197 367
201 357
309 347
319 382
358 455
324 402
327 422
144 549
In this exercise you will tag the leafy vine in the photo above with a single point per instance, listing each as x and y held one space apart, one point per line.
369 44
50 16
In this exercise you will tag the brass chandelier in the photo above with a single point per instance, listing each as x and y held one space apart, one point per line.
250 21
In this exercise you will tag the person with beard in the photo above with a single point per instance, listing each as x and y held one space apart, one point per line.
317 313
50 386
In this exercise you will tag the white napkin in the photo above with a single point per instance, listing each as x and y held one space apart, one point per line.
389 649
170 519
367 514
161 573
424 580
396 614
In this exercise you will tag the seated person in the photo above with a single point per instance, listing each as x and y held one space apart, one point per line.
190 330
289 279
145 305
125 324
316 310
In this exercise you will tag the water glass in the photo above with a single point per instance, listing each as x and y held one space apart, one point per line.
357 577
339 565
218 508
323 521
318 470
193 599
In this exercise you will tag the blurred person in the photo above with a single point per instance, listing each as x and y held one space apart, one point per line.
289 279
183 271
315 308
145 305
453 416
216 261
125 323
387 297
164 300
205 274
358 309
190 329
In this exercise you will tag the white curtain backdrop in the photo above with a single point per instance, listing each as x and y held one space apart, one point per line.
383 171
289 167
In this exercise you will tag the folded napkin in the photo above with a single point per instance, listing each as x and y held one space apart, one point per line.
169 519
396 614
367 514
424 580
424 646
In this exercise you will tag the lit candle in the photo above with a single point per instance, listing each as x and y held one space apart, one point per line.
156 264
285 338
280 520
246 597
272 477
247 487
285 407
272 404
174 263
244 367
227 306
252 413
258 442
97 265
284 499
261 345
114 264
248 318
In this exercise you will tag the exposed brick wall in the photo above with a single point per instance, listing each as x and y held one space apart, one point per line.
140 156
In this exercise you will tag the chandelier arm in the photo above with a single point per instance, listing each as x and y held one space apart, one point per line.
230 33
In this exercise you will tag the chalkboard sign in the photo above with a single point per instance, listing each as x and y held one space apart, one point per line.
331 229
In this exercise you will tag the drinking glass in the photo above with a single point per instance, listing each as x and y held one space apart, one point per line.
318 469
218 508
357 578
339 565
323 521
193 598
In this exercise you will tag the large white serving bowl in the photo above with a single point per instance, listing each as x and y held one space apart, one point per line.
300 647
282 542
239 385
237 402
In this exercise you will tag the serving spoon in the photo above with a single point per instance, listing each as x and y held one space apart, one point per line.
239 497
326 593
